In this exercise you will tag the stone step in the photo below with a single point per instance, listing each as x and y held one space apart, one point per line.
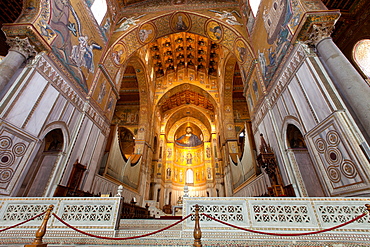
177 236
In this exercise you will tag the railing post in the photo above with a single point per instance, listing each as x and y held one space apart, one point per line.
197 231
41 231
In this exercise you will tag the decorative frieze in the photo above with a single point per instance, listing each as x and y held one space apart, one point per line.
295 61
277 214
87 213
47 70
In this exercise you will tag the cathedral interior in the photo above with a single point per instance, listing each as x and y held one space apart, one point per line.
175 97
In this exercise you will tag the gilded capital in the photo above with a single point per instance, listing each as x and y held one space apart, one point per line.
317 26
319 32
21 46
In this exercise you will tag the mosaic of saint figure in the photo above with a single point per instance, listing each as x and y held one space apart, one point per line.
188 139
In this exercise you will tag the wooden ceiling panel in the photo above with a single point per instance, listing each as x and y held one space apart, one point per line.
184 50
185 98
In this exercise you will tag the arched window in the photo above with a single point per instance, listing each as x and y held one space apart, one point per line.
54 140
295 138
99 9
241 140
189 176
361 55
254 6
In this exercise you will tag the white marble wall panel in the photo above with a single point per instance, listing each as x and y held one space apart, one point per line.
302 105
88 153
93 165
67 114
280 104
46 167
289 103
261 129
58 109
74 119
277 115
22 107
269 133
42 111
314 95
78 147
90 146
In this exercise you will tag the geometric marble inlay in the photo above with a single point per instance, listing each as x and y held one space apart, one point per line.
87 213
221 212
340 169
283 213
12 150
23 212
337 214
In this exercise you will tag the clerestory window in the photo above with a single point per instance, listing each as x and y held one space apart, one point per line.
99 9
361 55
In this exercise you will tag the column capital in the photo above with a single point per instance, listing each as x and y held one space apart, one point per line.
317 26
22 46
319 32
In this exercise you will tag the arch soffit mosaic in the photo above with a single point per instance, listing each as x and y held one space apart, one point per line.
143 82
144 96
228 78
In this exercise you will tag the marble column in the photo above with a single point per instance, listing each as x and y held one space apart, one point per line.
20 50
352 87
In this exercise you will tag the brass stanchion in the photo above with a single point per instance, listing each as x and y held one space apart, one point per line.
197 231
41 231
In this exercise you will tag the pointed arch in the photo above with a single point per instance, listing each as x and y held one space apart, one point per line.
235 41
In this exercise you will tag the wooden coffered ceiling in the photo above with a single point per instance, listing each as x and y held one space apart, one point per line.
187 97
238 88
10 10
129 91
353 23
184 51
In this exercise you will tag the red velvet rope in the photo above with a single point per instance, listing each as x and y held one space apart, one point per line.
133 237
10 227
286 234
